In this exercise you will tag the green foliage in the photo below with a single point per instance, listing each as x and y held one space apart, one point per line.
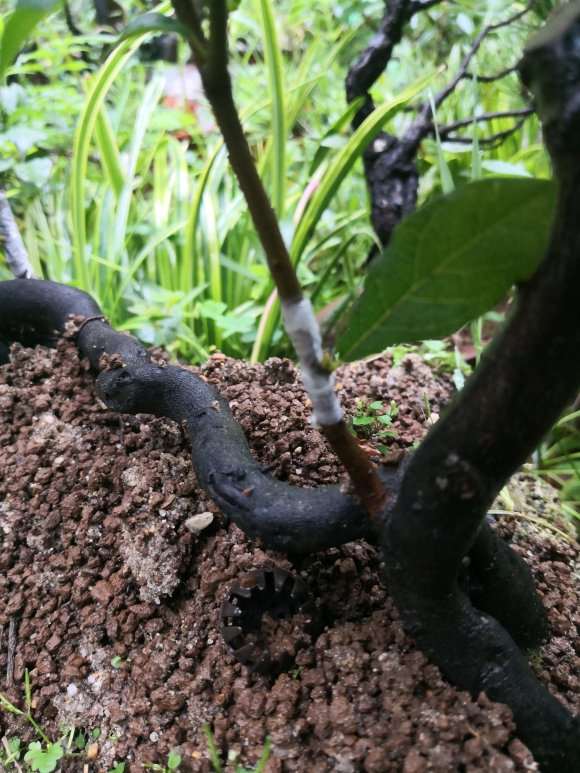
43 759
373 419
334 175
558 460
153 22
273 59
216 763
155 218
449 262
19 26
173 763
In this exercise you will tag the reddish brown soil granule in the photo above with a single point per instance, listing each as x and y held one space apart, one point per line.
98 567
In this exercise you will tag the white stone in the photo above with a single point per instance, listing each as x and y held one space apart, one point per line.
197 523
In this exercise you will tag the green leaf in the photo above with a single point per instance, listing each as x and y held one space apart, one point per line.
153 22
98 90
447 184
20 24
329 140
43 761
23 138
35 172
449 262
362 421
345 160
173 760
109 152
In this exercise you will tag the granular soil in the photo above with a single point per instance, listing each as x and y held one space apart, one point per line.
113 600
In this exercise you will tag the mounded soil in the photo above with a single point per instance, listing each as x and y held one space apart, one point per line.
111 598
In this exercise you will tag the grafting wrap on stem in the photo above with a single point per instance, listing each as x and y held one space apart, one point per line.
11 242
299 318
304 332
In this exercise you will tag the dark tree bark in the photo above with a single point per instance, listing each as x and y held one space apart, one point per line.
490 430
390 161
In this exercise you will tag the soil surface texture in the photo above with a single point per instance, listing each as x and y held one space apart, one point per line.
114 566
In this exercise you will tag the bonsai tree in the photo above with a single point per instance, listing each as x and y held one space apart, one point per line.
466 598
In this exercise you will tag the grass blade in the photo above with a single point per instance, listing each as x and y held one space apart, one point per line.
109 152
99 87
276 85
337 170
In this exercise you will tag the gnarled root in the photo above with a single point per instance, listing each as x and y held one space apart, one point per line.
299 521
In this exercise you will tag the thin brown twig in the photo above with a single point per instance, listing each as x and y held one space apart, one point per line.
491 78
187 14
218 54
218 89
12 639
491 141
447 129
476 45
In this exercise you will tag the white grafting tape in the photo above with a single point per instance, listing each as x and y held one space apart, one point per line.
302 327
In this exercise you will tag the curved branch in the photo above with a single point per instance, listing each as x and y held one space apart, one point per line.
287 518
492 141
522 113
297 521
284 517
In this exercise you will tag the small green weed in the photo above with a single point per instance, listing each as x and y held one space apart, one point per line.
8 706
43 755
45 758
558 461
173 763
215 760
437 354
371 420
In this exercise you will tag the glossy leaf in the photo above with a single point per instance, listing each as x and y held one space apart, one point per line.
450 262
153 22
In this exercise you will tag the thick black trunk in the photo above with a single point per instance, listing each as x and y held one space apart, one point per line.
284 517
526 378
